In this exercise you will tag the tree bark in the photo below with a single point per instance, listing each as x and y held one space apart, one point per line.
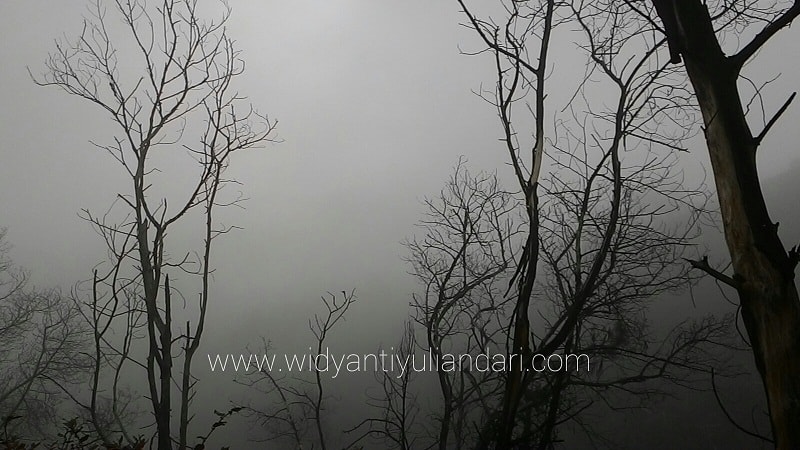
763 269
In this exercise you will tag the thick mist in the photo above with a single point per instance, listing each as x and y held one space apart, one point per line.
375 104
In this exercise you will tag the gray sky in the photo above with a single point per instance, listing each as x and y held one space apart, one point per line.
374 107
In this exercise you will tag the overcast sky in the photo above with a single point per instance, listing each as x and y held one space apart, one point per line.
374 105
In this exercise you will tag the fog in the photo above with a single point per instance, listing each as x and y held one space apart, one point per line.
375 104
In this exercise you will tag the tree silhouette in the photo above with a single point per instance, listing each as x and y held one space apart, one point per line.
763 269
179 101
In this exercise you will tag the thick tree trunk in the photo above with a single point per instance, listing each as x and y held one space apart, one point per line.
763 270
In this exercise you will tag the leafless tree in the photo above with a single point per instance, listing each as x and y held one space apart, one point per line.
763 269
597 190
398 425
165 79
41 347
467 246
295 405
466 309
401 420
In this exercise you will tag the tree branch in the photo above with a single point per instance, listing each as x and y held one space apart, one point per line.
728 415
705 267
765 35
774 119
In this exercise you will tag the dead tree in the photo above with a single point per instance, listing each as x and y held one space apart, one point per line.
177 101
763 269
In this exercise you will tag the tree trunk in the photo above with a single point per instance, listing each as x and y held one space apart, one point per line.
763 270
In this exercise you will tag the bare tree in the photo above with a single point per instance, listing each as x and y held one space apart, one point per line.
295 405
398 424
462 255
465 307
467 246
41 347
763 269
177 100
597 191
